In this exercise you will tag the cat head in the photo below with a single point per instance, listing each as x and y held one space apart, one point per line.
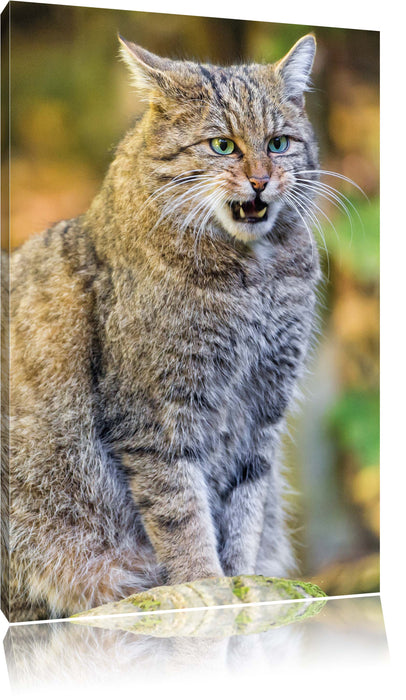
223 145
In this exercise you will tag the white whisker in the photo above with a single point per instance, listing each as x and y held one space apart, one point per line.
307 208
291 199
300 191
334 197
173 184
210 204
198 192
175 201
333 174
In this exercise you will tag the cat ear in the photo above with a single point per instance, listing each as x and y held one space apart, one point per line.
151 74
296 66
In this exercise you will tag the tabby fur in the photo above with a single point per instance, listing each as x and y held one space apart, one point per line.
156 344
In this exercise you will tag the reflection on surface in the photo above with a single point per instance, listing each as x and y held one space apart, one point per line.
344 630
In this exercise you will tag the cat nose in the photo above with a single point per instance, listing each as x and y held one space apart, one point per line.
259 183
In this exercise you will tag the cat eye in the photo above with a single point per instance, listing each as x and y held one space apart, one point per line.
222 146
279 144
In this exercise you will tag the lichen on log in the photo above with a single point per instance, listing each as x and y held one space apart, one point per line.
215 607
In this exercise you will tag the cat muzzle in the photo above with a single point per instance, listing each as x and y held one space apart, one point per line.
250 212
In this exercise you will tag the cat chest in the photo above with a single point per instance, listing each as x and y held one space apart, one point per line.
207 367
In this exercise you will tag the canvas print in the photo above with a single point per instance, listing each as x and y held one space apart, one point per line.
190 311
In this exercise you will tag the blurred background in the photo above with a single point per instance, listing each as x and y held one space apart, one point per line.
71 102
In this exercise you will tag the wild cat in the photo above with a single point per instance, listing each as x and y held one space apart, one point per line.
156 344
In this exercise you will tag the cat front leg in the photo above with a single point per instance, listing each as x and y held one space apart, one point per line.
243 507
173 502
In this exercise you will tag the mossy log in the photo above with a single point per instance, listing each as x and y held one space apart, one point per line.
216 607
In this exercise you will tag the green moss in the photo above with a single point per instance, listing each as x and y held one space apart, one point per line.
242 620
311 589
147 624
291 589
241 592
239 589
148 604
314 608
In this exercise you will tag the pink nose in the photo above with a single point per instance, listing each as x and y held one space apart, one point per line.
259 183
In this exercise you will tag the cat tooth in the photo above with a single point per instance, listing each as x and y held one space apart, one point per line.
261 213
242 213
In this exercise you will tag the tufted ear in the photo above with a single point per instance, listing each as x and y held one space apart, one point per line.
156 77
296 66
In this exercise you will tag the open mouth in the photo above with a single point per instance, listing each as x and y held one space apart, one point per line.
250 212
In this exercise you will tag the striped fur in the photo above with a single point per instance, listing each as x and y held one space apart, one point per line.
156 346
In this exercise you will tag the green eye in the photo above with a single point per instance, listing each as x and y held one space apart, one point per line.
279 144
222 146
